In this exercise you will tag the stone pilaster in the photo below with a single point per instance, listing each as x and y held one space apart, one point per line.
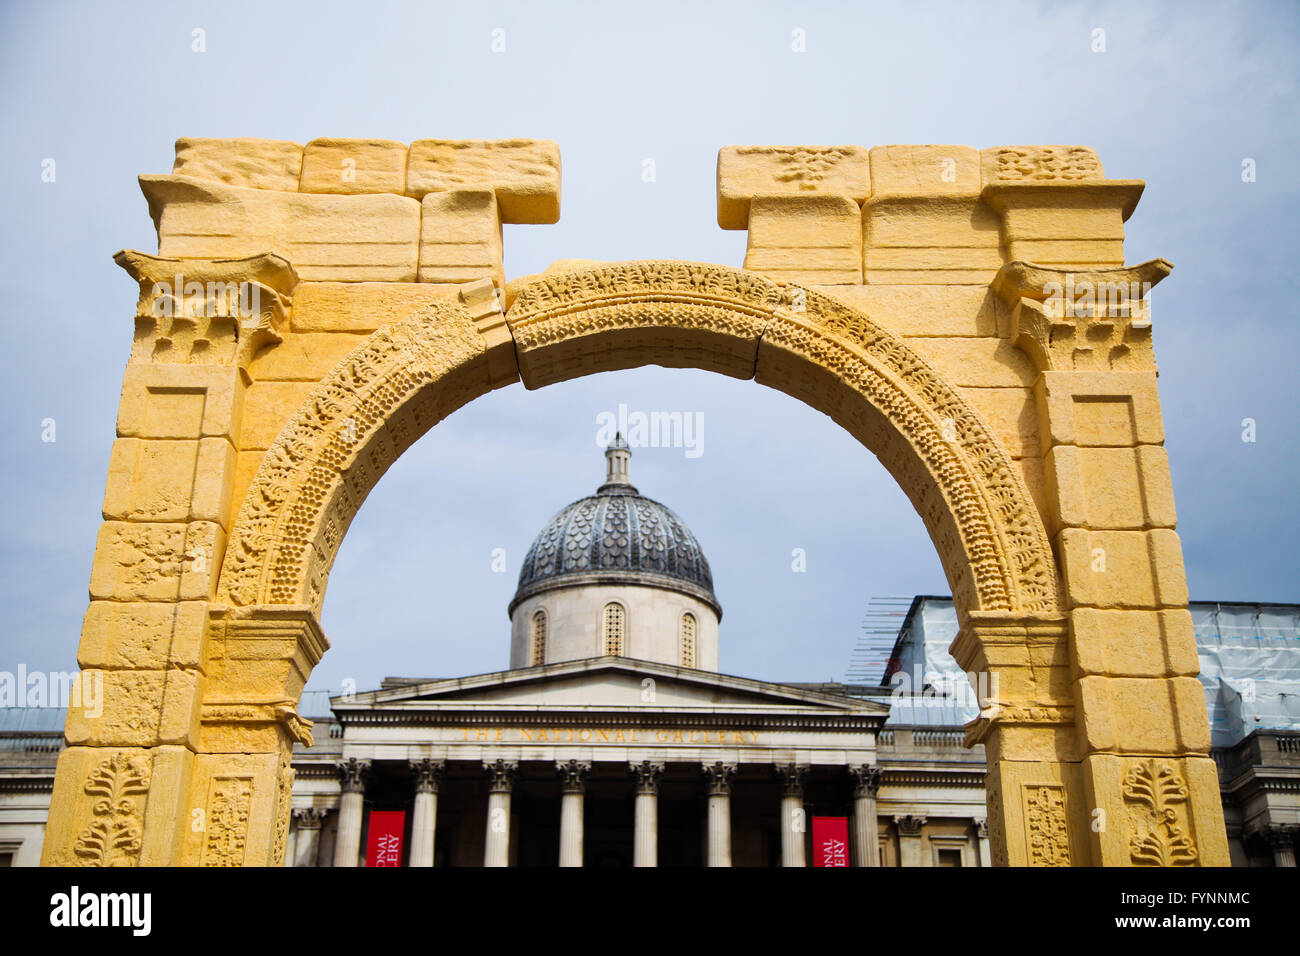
909 839
308 822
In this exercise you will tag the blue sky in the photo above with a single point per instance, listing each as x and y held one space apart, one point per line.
1181 96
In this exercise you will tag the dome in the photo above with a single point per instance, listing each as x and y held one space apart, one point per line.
616 536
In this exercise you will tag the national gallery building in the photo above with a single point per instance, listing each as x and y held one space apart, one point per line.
613 740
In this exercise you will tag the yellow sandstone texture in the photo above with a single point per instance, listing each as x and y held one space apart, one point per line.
313 310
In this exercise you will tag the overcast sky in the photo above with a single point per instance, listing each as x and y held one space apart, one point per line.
1182 94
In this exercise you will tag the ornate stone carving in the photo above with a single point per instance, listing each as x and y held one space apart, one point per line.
804 166
283 809
866 780
429 774
981 828
648 774
573 775
718 777
1046 826
1082 319
229 802
501 775
1157 820
1047 164
352 774
909 825
207 311
792 778
114 834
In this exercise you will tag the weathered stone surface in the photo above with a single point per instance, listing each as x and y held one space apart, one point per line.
748 171
806 239
169 480
460 237
353 166
1111 488
348 238
302 356
1143 715
139 707
924 171
1120 643
251 163
153 561
1123 569
144 636
523 173
360 306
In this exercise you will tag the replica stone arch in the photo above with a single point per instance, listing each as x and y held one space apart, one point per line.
967 316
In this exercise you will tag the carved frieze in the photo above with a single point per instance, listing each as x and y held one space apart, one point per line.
1047 834
118 786
1157 799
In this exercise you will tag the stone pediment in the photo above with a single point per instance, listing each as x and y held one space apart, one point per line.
602 684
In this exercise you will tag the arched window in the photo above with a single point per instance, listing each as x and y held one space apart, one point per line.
688 640
615 628
539 637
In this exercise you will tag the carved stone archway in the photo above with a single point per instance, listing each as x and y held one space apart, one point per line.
1028 439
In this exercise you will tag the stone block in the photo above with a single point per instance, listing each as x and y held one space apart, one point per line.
1110 488
806 239
1122 643
523 173
1142 715
924 171
929 310
460 237
141 708
239 796
930 239
1099 409
1012 415
268 407
981 363
1123 569
1037 164
161 480
360 306
143 636
180 401
249 163
302 356
152 561
748 171
346 238
351 166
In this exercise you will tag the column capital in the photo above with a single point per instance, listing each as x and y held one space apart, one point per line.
352 774
501 775
981 827
573 774
428 774
719 777
909 825
793 778
309 818
647 775
866 780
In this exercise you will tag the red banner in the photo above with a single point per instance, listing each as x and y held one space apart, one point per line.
384 845
830 841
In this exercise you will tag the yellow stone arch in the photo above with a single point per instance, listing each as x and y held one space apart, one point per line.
411 374
1025 431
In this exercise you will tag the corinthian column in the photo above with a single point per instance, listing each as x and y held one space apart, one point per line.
909 839
496 846
307 846
866 837
347 845
719 781
424 816
792 814
573 773
645 843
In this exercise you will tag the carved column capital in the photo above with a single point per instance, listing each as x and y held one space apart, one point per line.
792 778
501 775
309 818
573 774
647 776
428 774
352 774
981 828
866 780
909 825
719 777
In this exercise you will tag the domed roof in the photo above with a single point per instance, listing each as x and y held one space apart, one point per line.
616 536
